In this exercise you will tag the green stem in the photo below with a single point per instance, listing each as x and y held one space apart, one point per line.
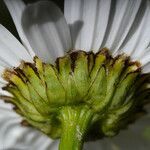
76 122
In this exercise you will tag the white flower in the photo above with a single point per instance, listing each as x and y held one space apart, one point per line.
120 25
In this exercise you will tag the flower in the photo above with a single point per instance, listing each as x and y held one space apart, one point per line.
122 26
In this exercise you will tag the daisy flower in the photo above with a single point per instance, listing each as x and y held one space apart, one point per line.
78 75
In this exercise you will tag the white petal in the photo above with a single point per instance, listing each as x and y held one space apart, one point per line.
11 50
126 24
81 20
118 10
122 15
102 16
88 21
47 30
87 30
146 68
11 53
3 83
1 72
13 135
73 15
145 59
16 9
139 37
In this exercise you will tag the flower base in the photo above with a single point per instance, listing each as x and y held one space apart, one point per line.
83 96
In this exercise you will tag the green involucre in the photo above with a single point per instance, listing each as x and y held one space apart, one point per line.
113 89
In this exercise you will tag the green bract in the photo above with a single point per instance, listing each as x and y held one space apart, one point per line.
83 96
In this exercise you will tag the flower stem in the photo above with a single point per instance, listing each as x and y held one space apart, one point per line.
76 122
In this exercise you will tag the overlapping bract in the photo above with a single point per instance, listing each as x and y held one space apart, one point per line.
113 88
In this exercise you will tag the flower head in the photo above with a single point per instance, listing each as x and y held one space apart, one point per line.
103 93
